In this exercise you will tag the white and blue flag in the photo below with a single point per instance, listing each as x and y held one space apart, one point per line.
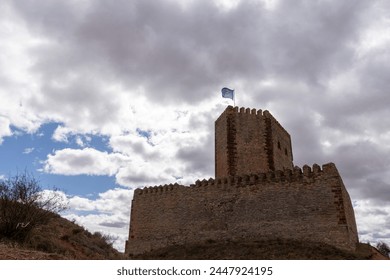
228 93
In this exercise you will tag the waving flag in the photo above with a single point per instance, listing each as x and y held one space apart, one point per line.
228 93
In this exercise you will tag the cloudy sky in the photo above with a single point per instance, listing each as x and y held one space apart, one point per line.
99 97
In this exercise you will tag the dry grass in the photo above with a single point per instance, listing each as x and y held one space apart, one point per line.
61 239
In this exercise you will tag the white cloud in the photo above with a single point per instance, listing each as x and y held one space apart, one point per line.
86 161
106 224
80 141
372 221
109 213
17 82
131 144
4 128
149 155
61 134
111 201
81 204
28 151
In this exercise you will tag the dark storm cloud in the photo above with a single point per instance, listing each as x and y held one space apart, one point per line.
165 48
309 40
380 236
198 159
179 53
114 224
365 107
353 158
377 189
81 100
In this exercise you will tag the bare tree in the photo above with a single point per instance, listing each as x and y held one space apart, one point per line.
383 248
24 205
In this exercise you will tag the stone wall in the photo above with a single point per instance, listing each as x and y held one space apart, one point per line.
249 141
278 144
309 204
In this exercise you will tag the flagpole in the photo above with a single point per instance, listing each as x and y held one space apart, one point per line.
234 97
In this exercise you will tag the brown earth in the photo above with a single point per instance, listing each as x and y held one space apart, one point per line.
16 252
264 250
60 239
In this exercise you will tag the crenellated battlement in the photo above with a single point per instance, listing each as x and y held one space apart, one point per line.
247 111
253 112
158 189
304 174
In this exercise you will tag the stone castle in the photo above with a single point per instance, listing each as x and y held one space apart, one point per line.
257 194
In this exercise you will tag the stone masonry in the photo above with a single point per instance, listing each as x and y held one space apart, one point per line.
256 195
250 141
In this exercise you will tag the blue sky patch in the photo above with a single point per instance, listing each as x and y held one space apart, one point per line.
27 152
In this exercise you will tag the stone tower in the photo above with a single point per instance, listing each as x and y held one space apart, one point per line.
248 142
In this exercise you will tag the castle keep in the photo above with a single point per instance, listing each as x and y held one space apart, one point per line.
250 141
256 194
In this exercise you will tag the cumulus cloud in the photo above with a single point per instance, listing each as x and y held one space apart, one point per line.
4 128
17 82
86 161
167 153
372 221
111 201
109 213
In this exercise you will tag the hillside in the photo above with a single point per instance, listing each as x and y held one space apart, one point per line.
60 239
